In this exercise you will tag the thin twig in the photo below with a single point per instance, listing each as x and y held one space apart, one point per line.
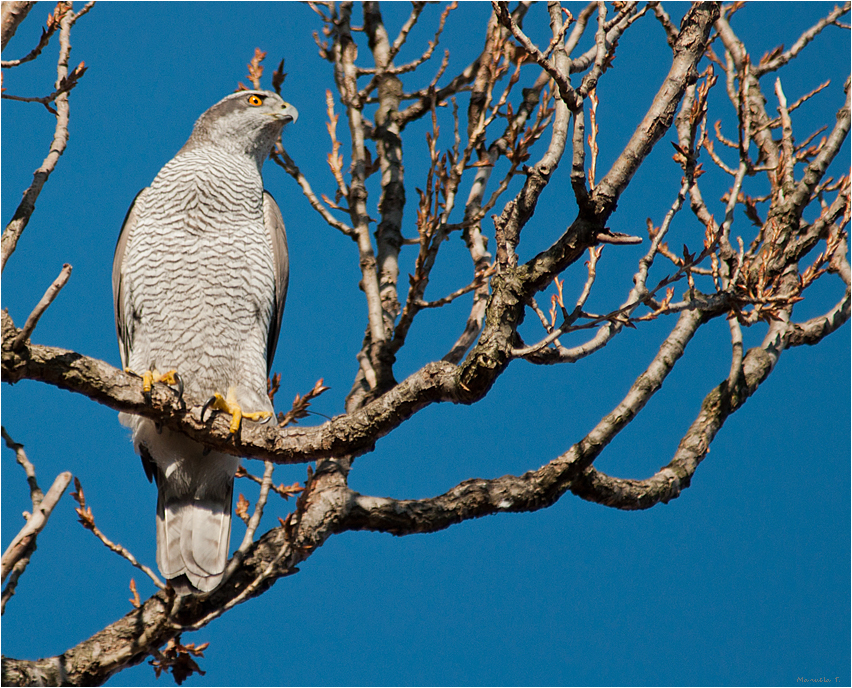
477 282
35 524
566 91
285 491
770 65
36 495
63 86
51 293
87 519
786 137
281 158
664 19
21 457
52 25
613 322
26 207
253 523
379 71
245 594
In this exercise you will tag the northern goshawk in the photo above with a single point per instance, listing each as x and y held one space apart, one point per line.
199 281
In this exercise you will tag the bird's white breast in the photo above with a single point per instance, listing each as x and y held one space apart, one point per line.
199 271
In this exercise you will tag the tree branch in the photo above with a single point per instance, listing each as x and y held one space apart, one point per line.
48 298
688 50
774 63
26 208
533 490
35 524
13 14
352 434
164 616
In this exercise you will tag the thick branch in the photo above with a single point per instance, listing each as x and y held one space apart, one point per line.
535 489
352 434
816 169
688 50
813 331
519 210
724 400
13 14
386 134
162 617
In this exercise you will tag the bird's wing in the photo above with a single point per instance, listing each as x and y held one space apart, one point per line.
121 330
274 224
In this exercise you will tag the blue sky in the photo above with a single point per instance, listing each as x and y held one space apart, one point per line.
743 580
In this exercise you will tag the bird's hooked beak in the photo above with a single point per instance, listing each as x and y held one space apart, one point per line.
287 113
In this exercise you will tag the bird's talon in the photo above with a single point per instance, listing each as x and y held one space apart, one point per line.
209 404
230 405
179 381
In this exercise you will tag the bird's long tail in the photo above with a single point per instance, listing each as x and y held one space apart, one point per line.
194 500
193 534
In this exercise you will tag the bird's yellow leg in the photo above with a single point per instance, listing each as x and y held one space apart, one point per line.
149 377
230 405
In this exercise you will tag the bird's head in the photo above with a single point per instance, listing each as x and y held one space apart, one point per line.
247 122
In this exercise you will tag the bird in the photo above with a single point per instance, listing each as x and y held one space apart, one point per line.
199 278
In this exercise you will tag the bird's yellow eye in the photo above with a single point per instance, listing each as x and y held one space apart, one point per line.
255 101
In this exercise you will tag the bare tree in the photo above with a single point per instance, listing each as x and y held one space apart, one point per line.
514 112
